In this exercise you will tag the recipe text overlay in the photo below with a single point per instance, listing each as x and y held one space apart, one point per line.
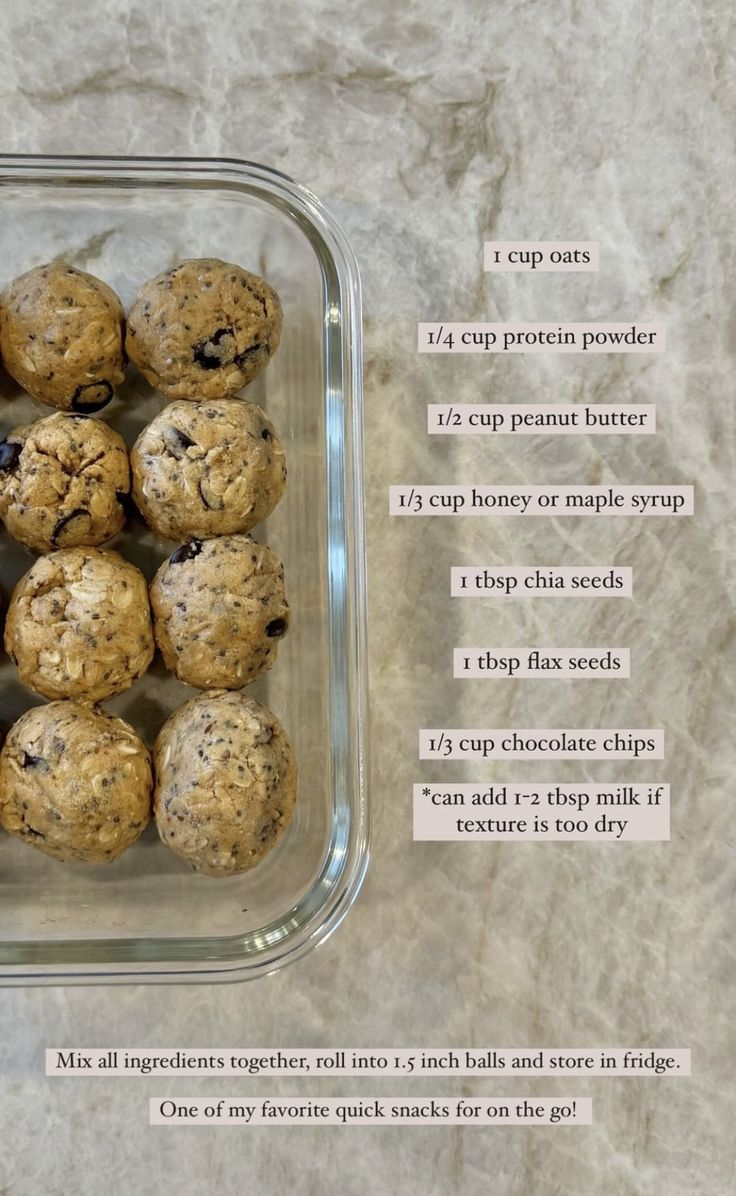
356 1110
534 581
544 663
541 500
514 257
354 1061
455 1062
533 419
542 811
549 811
437 743
541 338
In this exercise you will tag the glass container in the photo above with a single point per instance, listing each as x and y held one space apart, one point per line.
146 917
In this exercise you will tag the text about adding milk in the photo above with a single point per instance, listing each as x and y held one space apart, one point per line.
542 811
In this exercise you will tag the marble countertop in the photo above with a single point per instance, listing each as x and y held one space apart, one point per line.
428 129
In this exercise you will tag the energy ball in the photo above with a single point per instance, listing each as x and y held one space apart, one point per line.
61 337
75 783
63 482
79 625
204 329
219 611
207 469
225 783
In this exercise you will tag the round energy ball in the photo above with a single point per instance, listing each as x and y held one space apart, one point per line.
79 625
61 337
204 329
63 482
219 611
75 783
207 469
225 782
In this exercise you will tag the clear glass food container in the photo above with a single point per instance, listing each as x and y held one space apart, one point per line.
146 917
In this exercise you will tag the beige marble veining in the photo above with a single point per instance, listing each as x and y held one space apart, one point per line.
427 129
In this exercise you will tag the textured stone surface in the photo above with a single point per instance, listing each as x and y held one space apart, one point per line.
427 129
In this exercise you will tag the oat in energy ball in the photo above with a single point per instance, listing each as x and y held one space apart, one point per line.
204 329
75 783
207 469
225 782
219 611
63 482
61 337
79 625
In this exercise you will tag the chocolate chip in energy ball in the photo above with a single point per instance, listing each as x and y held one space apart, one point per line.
216 350
186 552
32 761
93 396
126 504
9 454
276 628
250 352
176 441
67 519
